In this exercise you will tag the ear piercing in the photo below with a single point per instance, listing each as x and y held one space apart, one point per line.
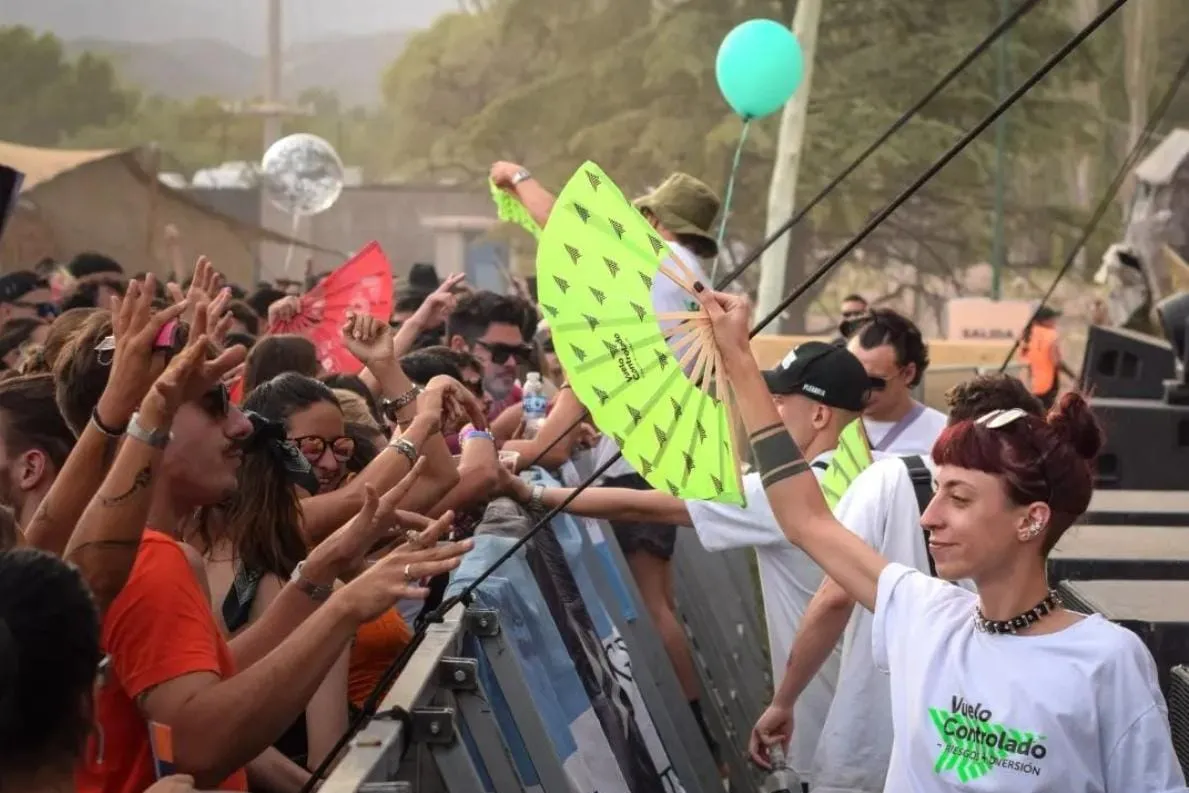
1035 527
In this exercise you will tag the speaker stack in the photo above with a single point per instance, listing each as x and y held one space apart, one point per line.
1147 434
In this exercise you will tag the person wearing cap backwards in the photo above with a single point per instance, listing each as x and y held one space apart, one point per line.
25 294
818 389
682 210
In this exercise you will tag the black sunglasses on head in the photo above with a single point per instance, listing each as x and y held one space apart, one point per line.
44 310
500 353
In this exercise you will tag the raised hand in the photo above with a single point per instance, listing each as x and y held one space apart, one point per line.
447 403
284 310
369 340
191 373
395 576
502 174
730 318
439 304
138 351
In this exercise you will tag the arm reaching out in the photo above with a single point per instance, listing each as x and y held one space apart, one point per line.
516 180
797 501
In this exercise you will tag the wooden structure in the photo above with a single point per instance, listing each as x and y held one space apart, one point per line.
111 201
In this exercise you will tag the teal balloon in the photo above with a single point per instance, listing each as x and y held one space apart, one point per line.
759 67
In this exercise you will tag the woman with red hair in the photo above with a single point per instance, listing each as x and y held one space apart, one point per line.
1003 690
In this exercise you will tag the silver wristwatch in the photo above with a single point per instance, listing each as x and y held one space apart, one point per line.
521 176
319 593
158 439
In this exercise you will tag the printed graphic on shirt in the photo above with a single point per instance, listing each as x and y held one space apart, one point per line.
973 745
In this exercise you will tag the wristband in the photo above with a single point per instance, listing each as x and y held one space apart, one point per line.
472 434
319 593
406 448
156 438
394 406
111 432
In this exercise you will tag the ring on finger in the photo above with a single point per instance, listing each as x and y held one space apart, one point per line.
408 572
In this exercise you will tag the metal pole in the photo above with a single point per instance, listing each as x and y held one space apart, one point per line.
274 67
998 243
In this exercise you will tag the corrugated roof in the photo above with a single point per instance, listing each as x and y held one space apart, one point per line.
42 165
1159 167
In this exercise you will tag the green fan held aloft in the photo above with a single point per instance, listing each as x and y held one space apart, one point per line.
653 382
509 210
851 458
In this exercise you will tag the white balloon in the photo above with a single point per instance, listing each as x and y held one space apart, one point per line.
302 174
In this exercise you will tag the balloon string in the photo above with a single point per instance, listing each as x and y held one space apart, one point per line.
730 194
292 243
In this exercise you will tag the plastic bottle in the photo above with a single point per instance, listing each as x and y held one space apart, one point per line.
782 779
533 403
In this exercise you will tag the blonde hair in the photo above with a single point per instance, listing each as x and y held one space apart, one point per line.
355 409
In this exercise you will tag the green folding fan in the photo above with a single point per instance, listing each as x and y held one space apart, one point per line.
851 458
654 382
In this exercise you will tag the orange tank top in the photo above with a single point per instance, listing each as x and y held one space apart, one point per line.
1038 354
377 643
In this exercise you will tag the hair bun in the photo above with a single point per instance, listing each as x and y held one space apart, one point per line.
1074 421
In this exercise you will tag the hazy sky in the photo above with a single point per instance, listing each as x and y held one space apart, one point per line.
238 22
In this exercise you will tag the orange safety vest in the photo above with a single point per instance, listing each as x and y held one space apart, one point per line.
1037 352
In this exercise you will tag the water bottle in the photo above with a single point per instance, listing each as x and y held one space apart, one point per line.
533 404
782 779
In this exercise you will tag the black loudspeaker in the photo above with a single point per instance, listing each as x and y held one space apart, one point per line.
1087 552
1147 444
1156 611
1178 714
1123 364
10 190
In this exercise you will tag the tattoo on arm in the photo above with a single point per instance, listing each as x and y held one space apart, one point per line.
143 478
777 455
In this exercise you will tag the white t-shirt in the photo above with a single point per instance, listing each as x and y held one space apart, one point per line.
1077 710
666 297
789 579
856 741
917 438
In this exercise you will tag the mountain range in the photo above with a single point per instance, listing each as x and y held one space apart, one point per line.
185 48
352 66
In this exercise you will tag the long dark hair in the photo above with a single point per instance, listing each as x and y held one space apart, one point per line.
263 519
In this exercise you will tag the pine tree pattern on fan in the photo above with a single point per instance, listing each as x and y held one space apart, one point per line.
640 374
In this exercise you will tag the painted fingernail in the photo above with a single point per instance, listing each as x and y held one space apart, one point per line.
699 286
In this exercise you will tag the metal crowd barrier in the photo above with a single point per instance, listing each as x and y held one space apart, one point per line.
449 724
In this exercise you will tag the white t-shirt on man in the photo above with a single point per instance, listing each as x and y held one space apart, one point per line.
1077 710
789 579
667 297
852 756
916 438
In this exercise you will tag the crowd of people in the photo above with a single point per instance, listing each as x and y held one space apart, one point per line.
198 590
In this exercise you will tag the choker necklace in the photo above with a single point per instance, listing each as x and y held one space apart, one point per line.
1042 609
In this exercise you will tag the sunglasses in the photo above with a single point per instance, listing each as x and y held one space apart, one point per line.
44 310
217 401
500 353
312 447
998 419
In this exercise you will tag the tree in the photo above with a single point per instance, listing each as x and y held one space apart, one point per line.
47 97
631 86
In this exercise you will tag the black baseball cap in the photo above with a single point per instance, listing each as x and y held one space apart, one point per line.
14 286
825 373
